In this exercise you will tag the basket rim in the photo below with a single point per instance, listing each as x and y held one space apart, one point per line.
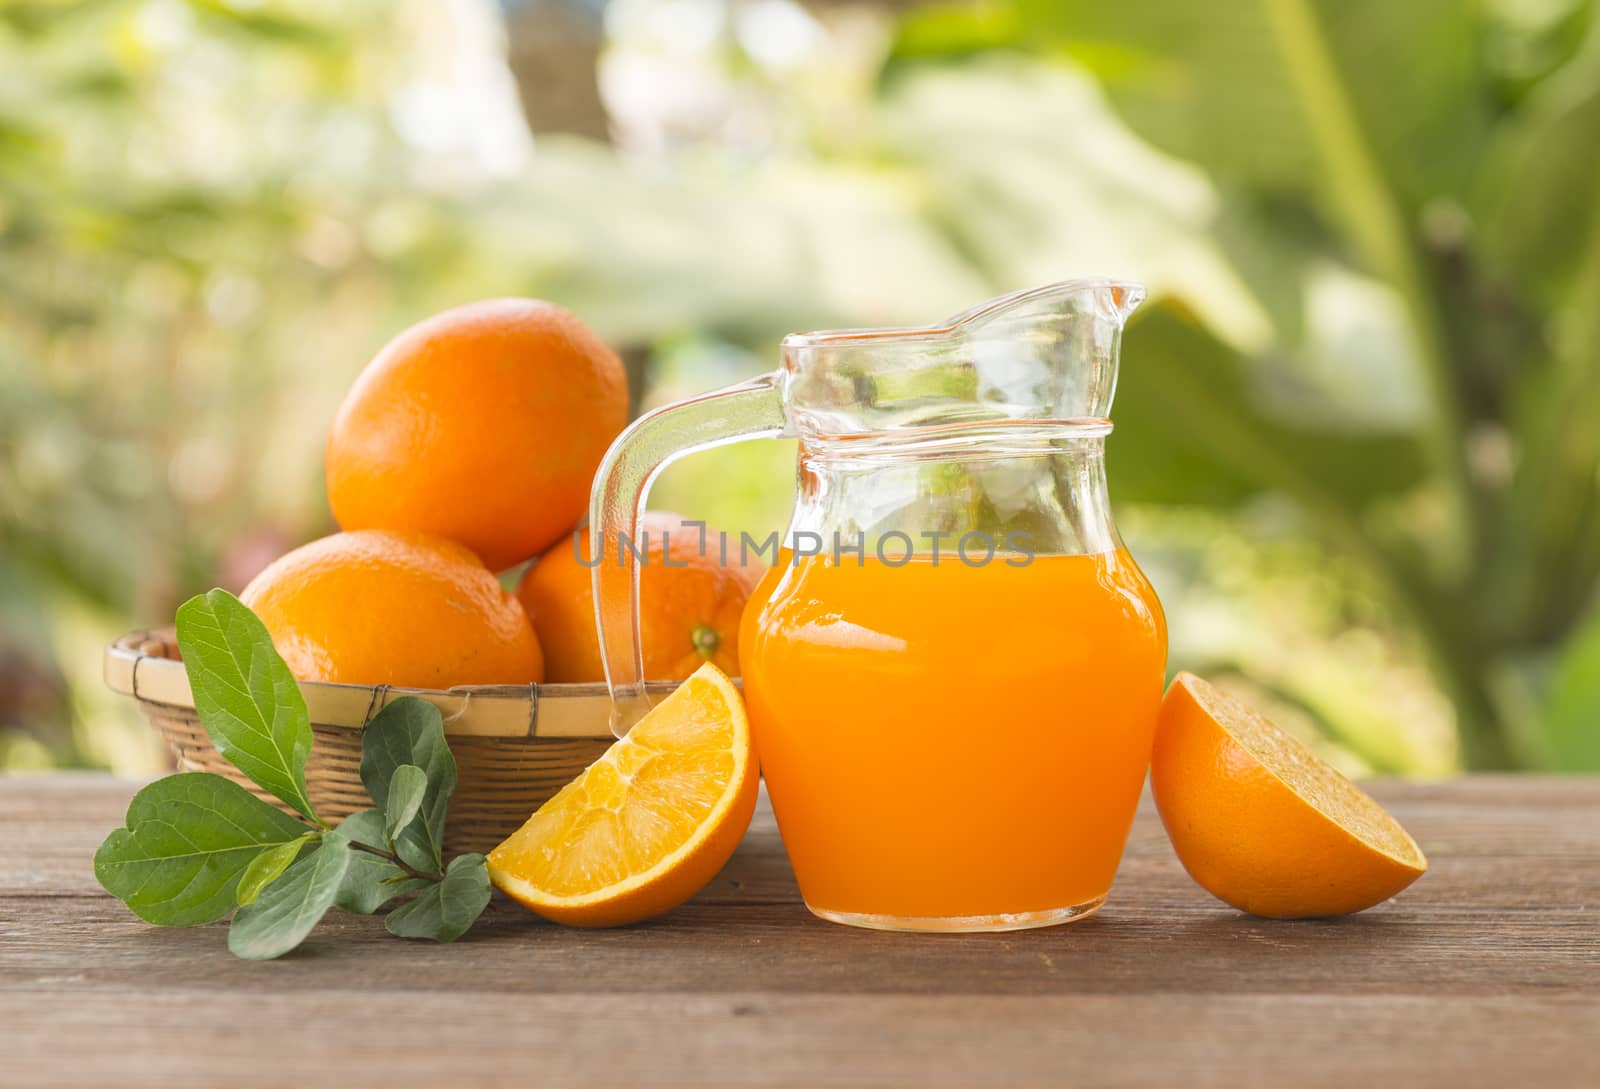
139 664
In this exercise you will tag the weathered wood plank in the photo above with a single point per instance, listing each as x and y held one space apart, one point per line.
781 949
1487 971
354 1038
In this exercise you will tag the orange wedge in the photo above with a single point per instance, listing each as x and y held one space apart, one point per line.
648 824
1261 822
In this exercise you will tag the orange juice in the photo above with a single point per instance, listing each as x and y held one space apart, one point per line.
953 746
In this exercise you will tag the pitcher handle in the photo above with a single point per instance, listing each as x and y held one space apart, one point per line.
749 410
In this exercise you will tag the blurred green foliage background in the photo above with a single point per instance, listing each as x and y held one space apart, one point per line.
1358 443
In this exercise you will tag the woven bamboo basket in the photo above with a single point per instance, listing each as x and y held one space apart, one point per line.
514 746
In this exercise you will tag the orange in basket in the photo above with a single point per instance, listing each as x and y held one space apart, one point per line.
483 424
690 603
381 607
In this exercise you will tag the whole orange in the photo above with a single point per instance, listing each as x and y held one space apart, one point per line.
379 606
688 613
483 424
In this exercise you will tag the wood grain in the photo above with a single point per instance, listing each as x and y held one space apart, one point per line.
1487 972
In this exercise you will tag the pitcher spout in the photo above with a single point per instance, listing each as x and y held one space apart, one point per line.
1046 353
1126 299
1114 300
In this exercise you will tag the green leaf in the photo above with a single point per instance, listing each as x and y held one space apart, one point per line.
1537 202
285 912
1229 86
411 731
269 26
188 841
1013 199
1572 716
407 788
1191 431
952 31
267 867
370 881
247 699
446 910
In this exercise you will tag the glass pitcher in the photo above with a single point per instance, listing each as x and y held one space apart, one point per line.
952 667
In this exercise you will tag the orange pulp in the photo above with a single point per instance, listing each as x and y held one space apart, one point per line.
951 742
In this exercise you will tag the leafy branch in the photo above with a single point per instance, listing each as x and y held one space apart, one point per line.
396 861
196 846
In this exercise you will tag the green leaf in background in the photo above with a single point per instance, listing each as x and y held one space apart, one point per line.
1539 210
411 731
189 839
267 867
285 912
248 701
1572 719
1027 207
446 910
1190 431
407 788
369 881
1536 196
270 26
1247 89
951 31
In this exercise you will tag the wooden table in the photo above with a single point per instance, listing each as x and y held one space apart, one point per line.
1485 973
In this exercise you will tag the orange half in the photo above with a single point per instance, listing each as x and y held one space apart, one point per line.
1263 823
647 825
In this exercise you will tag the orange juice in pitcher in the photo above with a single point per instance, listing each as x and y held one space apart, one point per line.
953 669
942 741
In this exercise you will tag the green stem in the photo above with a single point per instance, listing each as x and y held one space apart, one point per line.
705 640
1366 205
1563 485
390 856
